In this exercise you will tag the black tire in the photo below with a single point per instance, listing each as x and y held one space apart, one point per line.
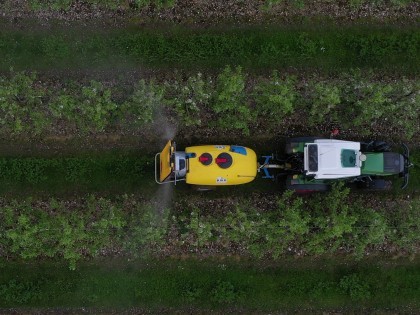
377 184
307 188
203 188
376 146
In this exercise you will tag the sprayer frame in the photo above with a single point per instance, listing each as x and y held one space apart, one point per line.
165 182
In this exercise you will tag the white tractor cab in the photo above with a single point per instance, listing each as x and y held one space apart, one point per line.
332 159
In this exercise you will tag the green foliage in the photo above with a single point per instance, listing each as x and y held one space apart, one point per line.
31 232
148 227
224 292
276 98
308 46
405 225
203 284
358 101
327 223
55 48
91 109
324 46
21 104
230 102
373 231
29 170
366 101
188 99
355 287
64 174
191 293
20 292
97 105
143 104
352 100
324 101
199 230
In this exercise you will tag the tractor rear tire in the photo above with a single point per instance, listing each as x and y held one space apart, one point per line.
376 146
307 188
203 188
377 184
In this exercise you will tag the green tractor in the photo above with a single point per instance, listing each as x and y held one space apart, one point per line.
313 164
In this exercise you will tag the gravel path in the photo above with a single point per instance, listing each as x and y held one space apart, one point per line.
215 12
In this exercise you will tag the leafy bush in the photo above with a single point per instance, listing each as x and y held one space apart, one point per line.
230 102
143 104
31 232
405 225
332 219
374 231
90 110
359 101
276 98
188 99
325 98
353 100
320 224
147 230
21 104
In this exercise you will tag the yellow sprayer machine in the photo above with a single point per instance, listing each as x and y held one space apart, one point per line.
206 165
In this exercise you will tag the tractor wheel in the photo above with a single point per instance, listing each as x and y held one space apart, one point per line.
377 184
376 146
308 188
290 141
203 188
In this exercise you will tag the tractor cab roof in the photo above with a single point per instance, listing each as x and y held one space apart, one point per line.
332 159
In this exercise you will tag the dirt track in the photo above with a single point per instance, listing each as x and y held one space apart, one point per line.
204 13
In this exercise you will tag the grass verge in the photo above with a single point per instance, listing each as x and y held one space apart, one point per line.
111 173
325 47
212 285
107 172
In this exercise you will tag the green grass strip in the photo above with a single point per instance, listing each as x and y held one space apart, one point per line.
211 285
316 46
109 172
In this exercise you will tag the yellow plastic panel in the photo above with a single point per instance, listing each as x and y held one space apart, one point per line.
243 169
165 161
